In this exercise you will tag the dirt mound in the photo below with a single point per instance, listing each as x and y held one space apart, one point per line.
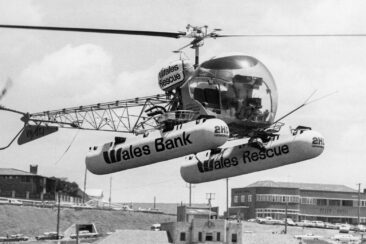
33 221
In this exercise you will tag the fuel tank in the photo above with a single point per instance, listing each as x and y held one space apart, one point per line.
184 139
244 159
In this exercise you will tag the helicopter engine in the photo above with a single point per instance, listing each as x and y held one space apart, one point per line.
237 89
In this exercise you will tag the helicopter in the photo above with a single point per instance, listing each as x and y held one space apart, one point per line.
218 114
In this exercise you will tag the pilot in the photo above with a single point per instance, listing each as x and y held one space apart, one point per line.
229 99
243 90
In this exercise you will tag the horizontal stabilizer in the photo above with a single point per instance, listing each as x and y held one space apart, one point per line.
33 132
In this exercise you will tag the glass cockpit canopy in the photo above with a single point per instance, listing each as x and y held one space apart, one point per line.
238 89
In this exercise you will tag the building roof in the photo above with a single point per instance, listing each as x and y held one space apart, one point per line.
200 212
95 193
11 171
303 186
136 237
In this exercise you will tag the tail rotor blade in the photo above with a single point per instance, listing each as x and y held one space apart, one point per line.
8 84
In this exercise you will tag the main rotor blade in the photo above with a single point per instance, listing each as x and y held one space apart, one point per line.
93 30
295 35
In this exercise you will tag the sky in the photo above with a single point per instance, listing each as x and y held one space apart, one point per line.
53 70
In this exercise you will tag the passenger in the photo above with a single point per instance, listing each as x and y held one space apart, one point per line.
264 116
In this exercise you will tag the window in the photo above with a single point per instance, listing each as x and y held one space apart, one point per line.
321 202
234 238
235 199
347 203
242 198
209 237
199 236
334 203
308 200
218 236
275 198
182 236
249 198
25 179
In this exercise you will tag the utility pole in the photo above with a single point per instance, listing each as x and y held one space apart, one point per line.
286 216
210 196
359 203
110 192
190 193
84 184
227 198
58 214
77 233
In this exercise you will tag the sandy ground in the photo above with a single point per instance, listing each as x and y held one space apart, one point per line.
33 221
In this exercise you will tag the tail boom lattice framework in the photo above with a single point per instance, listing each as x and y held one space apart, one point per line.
126 116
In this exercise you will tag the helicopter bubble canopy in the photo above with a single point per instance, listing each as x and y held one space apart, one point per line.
238 89
175 74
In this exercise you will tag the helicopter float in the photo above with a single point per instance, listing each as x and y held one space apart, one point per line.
218 114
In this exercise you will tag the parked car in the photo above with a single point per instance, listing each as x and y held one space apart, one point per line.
289 222
260 220
345 237
306 223
271 221
155 227
49 236
10 201
308 236
18 237
84 234
330 225
15 202
319 224
338 225
360 228
4 200
344 228
252 220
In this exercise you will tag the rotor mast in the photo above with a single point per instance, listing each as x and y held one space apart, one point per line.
198 33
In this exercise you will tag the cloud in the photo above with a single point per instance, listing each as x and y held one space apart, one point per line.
66 77
17 11
80 75
139 83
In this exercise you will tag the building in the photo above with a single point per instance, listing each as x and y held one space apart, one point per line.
200 225
16 183
187 214
330 203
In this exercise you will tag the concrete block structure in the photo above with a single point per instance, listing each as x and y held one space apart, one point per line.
201 225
